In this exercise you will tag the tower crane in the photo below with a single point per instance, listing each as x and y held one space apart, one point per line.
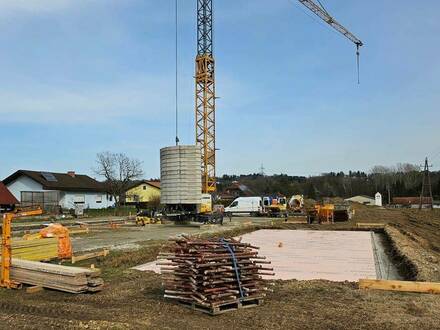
205 82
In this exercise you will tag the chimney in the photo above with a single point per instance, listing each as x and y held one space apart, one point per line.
71 174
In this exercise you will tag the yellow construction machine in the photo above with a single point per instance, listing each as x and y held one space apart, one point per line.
5 280
147 218
296 204
275 206
202 212
328 213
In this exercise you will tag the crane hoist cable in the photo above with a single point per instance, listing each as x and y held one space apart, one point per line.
322 13
177 70
358 63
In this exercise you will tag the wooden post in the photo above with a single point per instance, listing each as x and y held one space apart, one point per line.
403 286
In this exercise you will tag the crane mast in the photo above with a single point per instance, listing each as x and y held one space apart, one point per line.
205 94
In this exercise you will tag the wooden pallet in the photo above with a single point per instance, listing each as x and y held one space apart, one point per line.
223 308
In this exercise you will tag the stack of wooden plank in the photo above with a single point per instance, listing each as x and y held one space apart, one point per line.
57 277
35 250
214 275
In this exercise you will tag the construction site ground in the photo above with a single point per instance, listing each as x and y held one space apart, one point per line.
133 299
132 237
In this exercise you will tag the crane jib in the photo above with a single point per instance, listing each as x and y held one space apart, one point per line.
325 16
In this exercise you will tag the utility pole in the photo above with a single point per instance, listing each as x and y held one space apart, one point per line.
389 193
426 186
262 169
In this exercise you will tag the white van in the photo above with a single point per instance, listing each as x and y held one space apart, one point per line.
245 205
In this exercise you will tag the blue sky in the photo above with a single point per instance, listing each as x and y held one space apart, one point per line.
83 76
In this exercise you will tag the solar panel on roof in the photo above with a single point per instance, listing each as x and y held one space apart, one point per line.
49 176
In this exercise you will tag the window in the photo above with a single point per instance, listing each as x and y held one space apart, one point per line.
48 200
234 204
98 199
79 199
145 187
49 177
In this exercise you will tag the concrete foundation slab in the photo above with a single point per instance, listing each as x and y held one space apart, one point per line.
309 255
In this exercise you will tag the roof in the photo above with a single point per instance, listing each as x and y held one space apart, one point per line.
133 184
59 181
238 186
411 200
6 198
360 197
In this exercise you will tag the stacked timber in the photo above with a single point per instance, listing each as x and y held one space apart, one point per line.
35 250
57 277
214 275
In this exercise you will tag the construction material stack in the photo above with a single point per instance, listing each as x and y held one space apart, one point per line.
35 250
214 275
56 277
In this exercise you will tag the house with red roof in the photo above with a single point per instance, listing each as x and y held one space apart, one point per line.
52 191
7 200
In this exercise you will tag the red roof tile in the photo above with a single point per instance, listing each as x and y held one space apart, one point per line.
411 200
6 198
154 184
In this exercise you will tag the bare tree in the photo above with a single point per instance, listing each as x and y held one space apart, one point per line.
118 170
383 175
407 168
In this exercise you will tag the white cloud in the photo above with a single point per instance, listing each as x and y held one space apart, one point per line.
48 104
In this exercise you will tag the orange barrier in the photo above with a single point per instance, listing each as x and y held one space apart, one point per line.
64 243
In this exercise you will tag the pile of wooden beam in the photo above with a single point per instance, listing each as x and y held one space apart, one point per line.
57 277
214 275
35 250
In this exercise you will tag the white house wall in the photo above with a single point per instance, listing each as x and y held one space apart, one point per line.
23 183
68 199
